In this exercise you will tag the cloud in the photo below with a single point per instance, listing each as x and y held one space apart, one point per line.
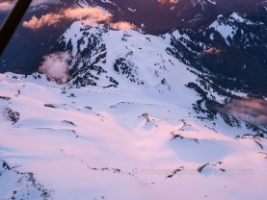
90 16
121 25
165 1
212 51
8 5
251 110
56 67
45 20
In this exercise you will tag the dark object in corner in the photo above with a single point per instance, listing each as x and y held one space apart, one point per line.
10 25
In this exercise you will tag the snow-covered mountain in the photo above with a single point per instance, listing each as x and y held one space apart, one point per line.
133 122
235 28
231 50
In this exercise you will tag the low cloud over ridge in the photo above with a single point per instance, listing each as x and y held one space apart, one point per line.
251 110
56 67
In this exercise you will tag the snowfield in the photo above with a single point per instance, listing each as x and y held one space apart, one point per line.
138 139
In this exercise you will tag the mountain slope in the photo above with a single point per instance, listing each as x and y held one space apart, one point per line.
132 123
231 50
